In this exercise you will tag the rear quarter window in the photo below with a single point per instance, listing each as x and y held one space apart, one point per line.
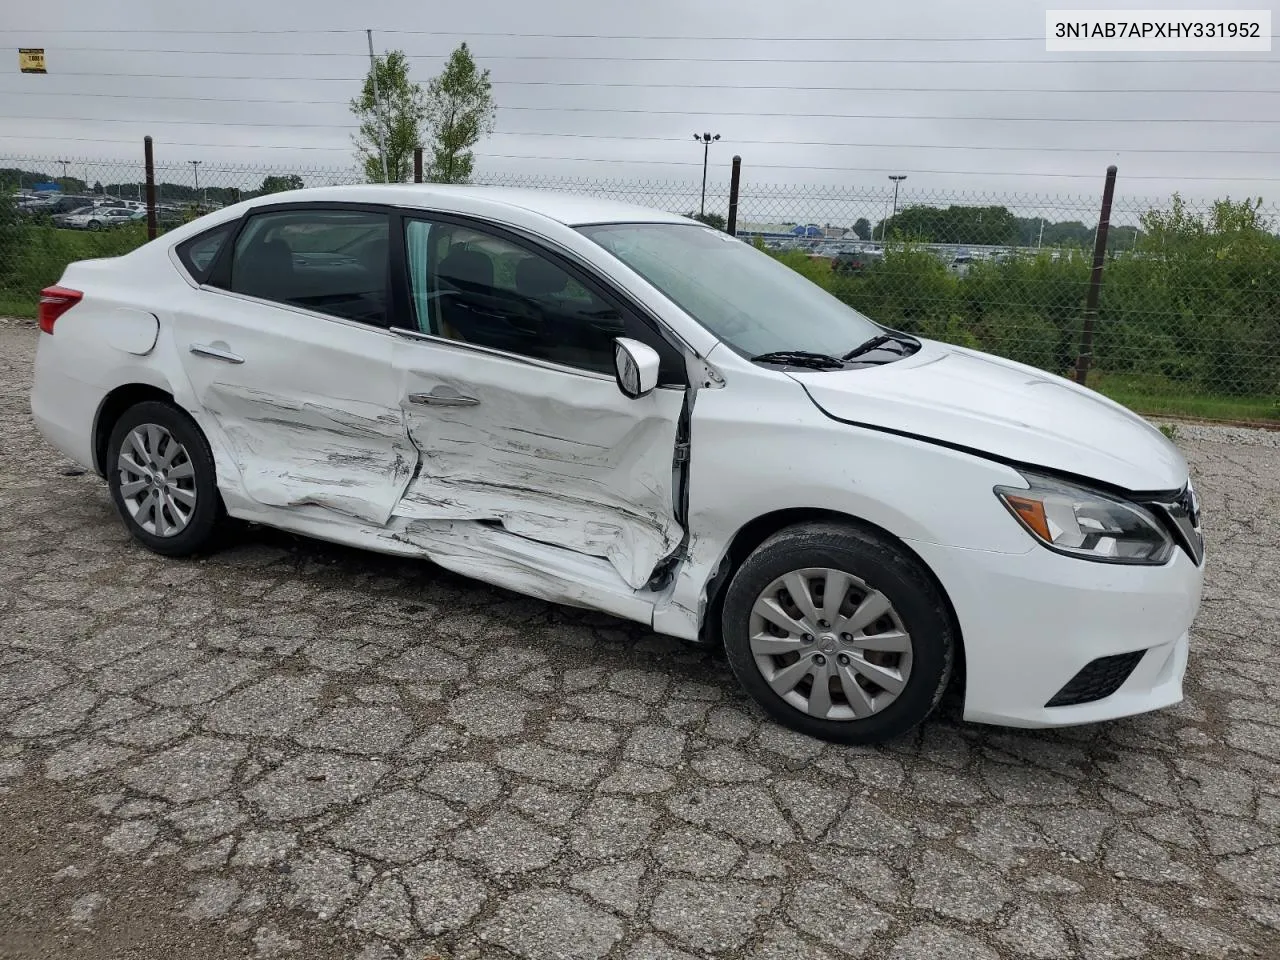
199 253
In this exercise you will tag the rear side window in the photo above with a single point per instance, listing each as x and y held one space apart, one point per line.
198 253
331 261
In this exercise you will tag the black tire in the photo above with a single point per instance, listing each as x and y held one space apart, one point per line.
882 565
94 225
202 528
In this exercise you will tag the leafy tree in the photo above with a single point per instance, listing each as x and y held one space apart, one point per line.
460 110
954 224
289 181
710 219
400 120
862 228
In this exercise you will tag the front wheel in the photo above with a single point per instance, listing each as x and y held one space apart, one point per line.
838 633
95 225
161 474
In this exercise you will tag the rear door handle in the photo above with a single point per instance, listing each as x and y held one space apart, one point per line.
443 399
204 350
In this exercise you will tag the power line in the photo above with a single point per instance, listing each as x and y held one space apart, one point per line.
967 173
881 116
897 146
773 143
176 143
676 113
201 76
817 143
531 36
636 86
666 59
679 86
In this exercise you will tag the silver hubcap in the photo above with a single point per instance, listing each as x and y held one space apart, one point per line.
157 480
830 645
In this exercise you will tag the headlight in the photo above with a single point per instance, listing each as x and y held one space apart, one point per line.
1088 524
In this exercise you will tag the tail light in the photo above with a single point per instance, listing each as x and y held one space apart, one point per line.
54 302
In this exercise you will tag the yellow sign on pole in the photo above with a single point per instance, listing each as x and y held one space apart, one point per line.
31 60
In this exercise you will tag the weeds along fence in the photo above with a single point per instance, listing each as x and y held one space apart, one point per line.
1188 309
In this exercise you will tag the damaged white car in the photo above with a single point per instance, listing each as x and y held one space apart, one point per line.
617 408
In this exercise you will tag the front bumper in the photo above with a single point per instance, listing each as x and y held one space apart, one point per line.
1032 622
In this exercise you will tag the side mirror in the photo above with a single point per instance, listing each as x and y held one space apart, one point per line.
636 367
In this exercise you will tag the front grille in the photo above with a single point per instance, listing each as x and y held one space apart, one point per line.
1182 516
1099 678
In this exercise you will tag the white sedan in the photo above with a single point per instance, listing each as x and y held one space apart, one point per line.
621 409
99 218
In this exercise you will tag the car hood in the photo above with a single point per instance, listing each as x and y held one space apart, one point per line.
1005 410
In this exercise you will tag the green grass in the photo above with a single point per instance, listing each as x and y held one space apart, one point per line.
16 306
42 253
1153 395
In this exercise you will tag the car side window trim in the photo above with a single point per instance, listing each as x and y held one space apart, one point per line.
429 338
403 319
304 311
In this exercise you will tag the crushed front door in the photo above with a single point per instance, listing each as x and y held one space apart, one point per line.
553 455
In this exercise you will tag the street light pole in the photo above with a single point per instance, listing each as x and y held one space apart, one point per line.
706 139
64 163
195 167
897 178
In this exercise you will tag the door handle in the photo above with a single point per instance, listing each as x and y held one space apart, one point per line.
204 350
443 399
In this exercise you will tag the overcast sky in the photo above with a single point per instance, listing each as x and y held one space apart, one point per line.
623 101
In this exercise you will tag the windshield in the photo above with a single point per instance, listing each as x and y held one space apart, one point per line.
742 295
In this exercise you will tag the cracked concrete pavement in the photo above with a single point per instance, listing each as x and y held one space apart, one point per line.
291 749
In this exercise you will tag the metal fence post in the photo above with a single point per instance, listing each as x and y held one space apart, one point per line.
732 226
1085 356
417 164
148 159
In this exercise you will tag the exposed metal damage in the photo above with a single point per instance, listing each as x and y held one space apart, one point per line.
360 468
583 516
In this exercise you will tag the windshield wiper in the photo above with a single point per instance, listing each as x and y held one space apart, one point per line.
875 343
801 358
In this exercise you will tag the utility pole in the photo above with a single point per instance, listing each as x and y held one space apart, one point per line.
706 140
897 178
195 168
1040 239
377 108
64 163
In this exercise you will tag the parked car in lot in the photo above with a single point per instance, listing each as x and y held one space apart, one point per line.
621 409
855 259
61 219
99 218
55 205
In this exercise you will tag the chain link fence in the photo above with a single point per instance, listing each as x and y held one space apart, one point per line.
1189 312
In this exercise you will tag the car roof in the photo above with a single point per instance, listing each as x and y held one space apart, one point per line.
567 208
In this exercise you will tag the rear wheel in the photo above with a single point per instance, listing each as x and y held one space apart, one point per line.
95 224
161 475
838 633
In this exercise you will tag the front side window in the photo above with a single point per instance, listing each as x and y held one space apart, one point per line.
479 288
743 296
330 261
